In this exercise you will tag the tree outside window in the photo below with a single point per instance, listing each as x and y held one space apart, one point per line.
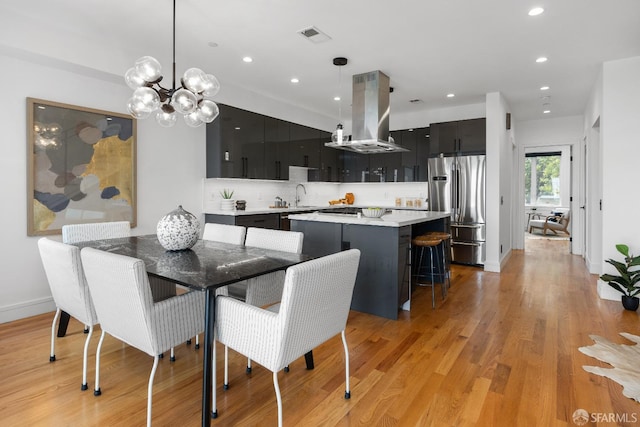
542 179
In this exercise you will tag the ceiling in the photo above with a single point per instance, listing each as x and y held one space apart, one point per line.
428 48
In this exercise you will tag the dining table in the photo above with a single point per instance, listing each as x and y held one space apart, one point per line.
204 267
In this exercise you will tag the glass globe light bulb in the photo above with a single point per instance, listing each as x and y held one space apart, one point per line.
137 109
195 80
148 97
133 79
166 119
192 120
148 68
207 110
184 101
212 87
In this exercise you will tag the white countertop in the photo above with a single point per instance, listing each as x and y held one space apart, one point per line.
293 210
395 218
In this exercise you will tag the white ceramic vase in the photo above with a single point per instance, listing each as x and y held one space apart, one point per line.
178 230
227 204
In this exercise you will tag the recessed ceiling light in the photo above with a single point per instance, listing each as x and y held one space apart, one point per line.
546 111
237 128
541 59
336 98
451 95
544 88
536 11
295 80
247 59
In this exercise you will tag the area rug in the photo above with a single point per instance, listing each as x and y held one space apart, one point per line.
549 236
625 360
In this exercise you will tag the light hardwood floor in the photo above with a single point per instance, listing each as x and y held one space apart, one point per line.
502 350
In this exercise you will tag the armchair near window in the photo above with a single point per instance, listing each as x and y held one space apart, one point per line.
559 222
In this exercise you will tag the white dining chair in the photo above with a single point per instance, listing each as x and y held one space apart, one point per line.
225 233
315 305
124 304
232 234
65 275
75 233
266 289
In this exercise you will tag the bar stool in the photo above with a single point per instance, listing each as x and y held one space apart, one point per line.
446 238
427 242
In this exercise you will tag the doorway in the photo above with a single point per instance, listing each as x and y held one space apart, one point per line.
547 198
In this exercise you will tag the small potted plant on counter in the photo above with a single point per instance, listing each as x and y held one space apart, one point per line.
227 203
628 282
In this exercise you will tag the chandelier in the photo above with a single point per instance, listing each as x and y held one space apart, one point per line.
192 98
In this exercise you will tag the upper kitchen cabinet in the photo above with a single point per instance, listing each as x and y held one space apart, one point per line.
423 143
330 161
276 148
235 144
304 146
458 137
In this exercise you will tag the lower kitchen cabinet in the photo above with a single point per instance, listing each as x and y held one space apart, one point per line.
271 220
382 283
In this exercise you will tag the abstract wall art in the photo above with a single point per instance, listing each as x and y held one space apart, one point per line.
81 166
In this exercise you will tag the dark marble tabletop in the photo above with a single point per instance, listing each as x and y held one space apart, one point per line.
206 265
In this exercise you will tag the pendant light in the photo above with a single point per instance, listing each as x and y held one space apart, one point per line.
192 99
338 135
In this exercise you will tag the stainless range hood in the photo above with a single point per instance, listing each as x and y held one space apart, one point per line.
369 116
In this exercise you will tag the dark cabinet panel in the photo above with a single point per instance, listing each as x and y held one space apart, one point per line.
458 137
304 146
423 142
330 160
276 148
355 166
258 220
444 138
472 136
240 144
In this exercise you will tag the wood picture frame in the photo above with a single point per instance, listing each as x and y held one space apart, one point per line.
81 166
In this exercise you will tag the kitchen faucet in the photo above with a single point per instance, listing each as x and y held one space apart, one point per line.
297 199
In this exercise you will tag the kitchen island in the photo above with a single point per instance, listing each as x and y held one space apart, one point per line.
383 282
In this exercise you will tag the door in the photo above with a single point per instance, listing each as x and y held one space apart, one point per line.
440 183
470 182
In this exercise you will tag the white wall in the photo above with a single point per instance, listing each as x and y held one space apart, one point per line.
499 188
551 134
620 156
171 164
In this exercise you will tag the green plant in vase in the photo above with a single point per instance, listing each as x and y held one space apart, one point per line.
226 194
628 280
227 203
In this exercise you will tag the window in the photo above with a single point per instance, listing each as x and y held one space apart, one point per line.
542 179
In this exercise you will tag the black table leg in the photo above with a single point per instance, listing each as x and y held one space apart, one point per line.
209 319
63 323
308 357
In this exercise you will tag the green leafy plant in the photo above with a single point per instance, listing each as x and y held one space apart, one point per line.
627 281
226 193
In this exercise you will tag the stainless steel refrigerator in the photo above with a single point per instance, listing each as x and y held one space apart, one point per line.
457 185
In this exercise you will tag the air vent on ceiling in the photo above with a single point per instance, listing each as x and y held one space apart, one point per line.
415 101
313 34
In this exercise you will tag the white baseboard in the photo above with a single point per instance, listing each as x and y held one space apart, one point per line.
9 313
607 292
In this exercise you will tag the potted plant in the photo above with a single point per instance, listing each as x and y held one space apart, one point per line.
628 281
227 203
